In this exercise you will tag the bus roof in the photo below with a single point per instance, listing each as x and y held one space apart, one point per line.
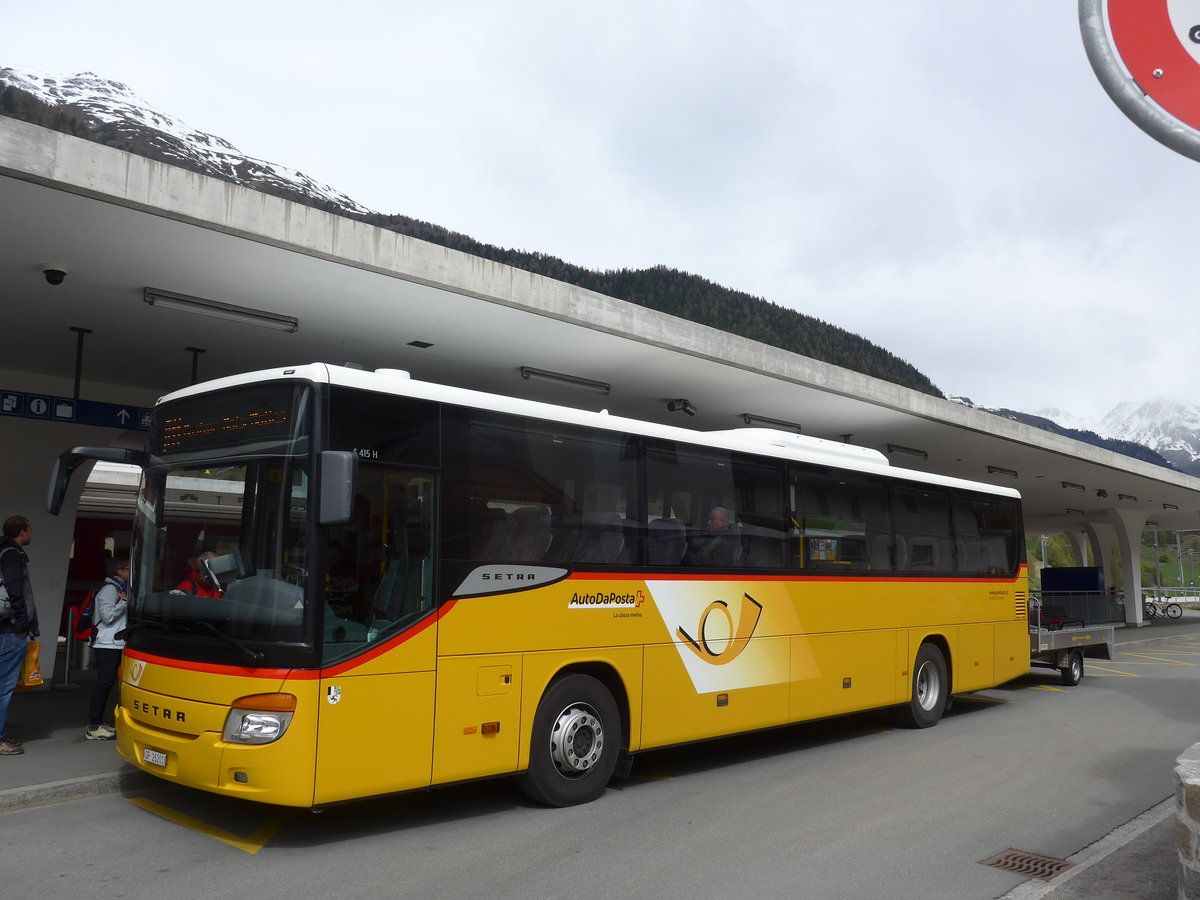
762 441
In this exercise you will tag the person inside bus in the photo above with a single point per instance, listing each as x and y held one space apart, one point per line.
196 580
719 545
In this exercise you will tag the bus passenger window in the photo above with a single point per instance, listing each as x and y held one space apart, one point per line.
842 520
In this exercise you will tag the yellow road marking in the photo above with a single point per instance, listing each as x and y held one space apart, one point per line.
1047 687
251 844
1099 672
659 774
1169 662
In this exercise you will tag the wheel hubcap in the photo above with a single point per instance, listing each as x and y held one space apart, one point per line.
928 688
576 740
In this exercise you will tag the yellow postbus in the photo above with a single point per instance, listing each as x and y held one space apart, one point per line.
404 584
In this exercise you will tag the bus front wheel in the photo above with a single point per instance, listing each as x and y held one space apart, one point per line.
575 743
930 689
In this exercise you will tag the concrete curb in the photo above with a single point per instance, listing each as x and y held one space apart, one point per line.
74 789
1095 854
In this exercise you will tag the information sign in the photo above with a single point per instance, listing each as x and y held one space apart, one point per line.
80 412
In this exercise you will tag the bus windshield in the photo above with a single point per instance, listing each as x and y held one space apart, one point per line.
220 558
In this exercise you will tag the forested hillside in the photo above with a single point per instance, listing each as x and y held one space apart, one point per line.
667 290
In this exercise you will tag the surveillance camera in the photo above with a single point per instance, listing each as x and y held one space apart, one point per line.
683 406
54 275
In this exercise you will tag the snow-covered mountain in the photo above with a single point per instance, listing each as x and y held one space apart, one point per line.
1070 420
1172 427
95 107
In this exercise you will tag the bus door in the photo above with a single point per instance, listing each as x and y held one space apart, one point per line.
375 719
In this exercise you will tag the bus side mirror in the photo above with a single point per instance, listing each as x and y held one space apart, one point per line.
66 464
339 470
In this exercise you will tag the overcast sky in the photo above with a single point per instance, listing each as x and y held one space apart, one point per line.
947 179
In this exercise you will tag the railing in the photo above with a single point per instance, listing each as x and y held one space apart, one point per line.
1182 595
1054 609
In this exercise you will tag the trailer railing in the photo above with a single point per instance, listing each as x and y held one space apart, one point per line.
1052 610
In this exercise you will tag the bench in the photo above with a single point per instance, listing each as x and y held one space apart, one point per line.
1054 618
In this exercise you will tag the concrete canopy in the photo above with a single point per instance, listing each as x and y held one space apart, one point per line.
118 223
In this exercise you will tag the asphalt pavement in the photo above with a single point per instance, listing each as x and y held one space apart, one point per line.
1136 862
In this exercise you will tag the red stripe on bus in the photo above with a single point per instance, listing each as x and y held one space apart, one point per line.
294 674
889 578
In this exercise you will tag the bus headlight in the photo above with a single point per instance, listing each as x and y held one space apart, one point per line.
259 718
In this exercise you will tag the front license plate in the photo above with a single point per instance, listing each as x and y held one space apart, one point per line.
154 757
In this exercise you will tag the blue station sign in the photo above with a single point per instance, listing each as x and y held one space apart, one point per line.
77 412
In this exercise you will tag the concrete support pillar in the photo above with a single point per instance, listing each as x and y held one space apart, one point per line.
1129 525
30 447
1100 536
1079 546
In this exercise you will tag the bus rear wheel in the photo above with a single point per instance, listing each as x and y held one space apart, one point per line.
930 689
575 743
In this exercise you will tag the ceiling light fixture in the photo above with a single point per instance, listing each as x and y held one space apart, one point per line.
1170 506
910 451
751 418
219 310
1151 524
600 387
1073 486
1000 470
1129 497
1074 512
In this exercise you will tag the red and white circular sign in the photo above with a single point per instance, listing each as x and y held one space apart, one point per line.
1159 43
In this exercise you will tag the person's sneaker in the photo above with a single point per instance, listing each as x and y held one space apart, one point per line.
9 747
99 733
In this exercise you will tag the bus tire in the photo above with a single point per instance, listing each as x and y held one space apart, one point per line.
574 745
930 689
1072 672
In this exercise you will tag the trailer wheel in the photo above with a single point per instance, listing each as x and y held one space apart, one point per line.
930 689
1072 672
575 743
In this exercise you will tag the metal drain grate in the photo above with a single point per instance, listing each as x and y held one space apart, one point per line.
1043 867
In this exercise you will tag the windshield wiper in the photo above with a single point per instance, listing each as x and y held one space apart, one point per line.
254 657
151 625
189 626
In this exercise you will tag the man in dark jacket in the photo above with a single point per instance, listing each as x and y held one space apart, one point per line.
720 545
18 618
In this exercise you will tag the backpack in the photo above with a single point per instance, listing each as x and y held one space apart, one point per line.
85 617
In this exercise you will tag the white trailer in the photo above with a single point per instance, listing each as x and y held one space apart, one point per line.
1060 644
